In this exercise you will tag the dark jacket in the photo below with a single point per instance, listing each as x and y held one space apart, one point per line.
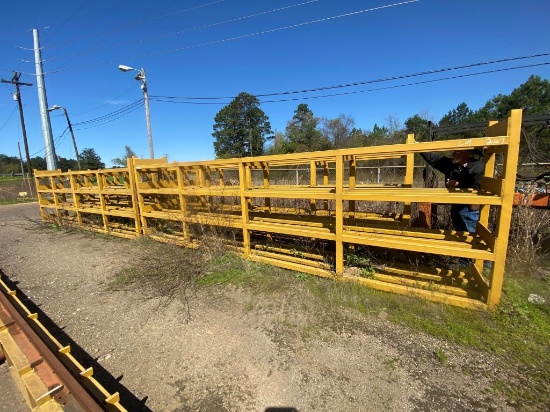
468 176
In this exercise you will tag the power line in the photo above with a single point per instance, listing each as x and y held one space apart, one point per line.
206 26
110 35
109 102
57 138
381 80
125 26
158 99
238 37
111 120
115 113
9 117
102 120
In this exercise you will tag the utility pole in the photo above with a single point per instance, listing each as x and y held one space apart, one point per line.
147 116
17 96
74 140
56 107
51 159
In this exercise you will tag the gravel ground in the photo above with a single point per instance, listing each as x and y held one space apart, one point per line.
229 356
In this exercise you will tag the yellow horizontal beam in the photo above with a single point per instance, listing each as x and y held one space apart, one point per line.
293 266
441 247
318 193
422 195
290 258
431 295
402 230
423 284
292 230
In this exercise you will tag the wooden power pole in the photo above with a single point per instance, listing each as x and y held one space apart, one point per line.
17 96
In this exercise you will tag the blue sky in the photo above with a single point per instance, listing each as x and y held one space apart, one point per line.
210 48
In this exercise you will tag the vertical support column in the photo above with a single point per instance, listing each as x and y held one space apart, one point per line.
267 200
207 183
76 199
102 203
312 183
339 226
140 198
352 183
408 181
132 186
202 183
55 188
180 175
325 183
43 214
244 173
248 179
511 156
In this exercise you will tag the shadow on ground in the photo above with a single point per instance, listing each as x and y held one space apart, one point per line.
108 381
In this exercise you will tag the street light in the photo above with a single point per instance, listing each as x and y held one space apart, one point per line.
56 107
141 77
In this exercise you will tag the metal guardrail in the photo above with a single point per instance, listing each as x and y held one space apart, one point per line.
313 223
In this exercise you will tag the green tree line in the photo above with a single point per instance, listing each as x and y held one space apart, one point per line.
243 129
89 159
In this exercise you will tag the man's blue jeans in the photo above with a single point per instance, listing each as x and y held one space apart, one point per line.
464 220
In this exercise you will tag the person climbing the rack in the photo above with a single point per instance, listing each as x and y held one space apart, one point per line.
462 170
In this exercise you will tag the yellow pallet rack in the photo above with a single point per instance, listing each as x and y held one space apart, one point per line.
312 224
100 200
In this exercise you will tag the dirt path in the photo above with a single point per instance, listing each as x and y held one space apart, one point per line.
232 356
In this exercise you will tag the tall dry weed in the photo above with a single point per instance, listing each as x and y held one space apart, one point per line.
529 229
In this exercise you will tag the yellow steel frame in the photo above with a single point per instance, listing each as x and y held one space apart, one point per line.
190 194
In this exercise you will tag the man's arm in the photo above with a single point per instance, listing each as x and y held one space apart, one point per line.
439 162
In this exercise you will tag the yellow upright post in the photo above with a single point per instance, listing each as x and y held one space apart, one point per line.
408 182
267 200
352 183
243 186
180 175
508 189
339 214
325 183
312 183
130 164
100 187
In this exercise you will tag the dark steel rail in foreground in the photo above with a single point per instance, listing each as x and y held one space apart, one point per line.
85 400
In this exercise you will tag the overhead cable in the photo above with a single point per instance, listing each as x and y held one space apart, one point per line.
206 26
107 120
160 99
381 80
9 117
236 37
110 101
115 113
